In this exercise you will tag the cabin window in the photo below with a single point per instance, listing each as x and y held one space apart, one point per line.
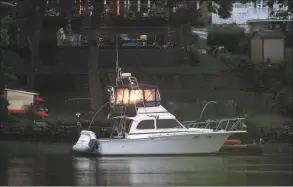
136 96
146 124
168 123
122 96
150 95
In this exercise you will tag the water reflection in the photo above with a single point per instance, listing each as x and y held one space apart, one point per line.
20 168
164 170
85 171
181 171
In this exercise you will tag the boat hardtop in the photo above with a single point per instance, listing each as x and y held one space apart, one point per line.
139 86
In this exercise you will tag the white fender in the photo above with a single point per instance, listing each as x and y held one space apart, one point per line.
82 145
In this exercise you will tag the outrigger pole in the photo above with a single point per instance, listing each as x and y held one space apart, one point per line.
118 71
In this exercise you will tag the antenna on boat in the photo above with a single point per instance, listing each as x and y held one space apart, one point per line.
118 70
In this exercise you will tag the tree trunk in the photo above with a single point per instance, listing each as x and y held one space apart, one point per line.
32 72
36 11
3 104
95 87
34 46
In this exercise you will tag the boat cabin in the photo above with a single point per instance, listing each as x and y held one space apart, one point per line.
151 120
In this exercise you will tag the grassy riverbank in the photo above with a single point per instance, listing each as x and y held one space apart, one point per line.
186 104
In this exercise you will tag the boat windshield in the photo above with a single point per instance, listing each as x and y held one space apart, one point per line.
168 124
129 96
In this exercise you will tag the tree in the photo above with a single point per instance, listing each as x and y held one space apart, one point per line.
4 39
205 14
95 86
221 7
4 35
282 3
224 7
35 10
61 36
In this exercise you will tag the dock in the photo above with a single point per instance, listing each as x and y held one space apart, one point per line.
242 149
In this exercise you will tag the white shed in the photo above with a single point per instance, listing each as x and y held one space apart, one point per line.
267 46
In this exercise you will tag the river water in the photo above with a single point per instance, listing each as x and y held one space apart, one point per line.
53 164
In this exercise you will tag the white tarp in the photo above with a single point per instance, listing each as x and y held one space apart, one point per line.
18 99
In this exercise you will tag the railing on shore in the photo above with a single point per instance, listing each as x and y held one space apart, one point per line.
227 124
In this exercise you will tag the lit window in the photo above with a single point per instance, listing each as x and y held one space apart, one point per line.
136 95
122 96
150 95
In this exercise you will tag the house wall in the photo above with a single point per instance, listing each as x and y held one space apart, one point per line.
241 13
256 48
274 50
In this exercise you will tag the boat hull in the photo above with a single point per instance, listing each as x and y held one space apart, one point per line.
163 145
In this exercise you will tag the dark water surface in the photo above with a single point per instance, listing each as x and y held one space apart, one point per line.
53 164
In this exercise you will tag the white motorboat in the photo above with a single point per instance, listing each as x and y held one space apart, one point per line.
142 126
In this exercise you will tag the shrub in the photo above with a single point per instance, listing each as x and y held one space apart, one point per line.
288 40
227 35
238 63
3 110
30 112
194 56
243 45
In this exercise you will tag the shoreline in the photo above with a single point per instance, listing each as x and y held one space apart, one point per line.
70 133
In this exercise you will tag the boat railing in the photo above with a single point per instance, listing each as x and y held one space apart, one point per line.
227 124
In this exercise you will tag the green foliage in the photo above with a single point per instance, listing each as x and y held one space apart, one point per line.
224 8
226 35
5 40
4 32
276 89
243 45
194 55
237 63
61 36
267 121
3 109
288 40
30 112
205 14
271 82
192 46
